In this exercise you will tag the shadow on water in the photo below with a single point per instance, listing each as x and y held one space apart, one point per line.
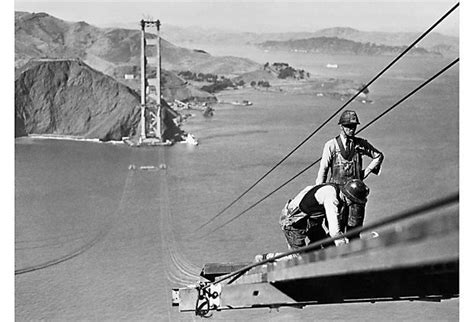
232 134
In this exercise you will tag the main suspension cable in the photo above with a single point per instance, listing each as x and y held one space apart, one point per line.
360 130
362 89
414 212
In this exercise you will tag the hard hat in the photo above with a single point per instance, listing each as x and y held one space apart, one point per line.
348 117
356 191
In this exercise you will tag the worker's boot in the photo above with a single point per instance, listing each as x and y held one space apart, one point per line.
355 219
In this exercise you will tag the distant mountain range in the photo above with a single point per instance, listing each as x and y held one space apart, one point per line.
39 35
433 42
334 45
57 93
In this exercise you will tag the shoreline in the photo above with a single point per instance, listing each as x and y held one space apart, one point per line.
65 137
322 86
190 139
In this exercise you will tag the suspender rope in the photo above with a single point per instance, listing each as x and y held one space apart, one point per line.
360 130
331 117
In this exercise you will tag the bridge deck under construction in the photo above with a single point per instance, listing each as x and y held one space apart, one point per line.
418 260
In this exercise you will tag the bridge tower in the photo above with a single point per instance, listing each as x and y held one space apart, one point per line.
151 123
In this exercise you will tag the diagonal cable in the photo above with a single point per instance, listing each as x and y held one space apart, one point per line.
370 123
331 117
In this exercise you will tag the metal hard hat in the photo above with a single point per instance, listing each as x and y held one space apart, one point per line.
356 191
348 117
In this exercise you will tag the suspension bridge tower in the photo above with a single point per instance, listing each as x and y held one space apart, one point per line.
151 120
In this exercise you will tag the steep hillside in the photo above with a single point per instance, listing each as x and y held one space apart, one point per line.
175 87
172 86
39 35
183 59
259 75
67 97
334 45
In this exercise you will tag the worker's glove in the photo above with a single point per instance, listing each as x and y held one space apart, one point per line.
341 241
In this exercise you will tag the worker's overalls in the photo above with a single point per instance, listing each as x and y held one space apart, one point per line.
307 220
347 165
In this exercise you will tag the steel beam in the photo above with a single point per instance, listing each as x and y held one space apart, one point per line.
415 261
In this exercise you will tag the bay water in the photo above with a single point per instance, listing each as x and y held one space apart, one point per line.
103 231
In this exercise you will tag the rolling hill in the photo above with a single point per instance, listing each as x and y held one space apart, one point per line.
335 45
39 35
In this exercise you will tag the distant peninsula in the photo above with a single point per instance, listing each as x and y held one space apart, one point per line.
335 45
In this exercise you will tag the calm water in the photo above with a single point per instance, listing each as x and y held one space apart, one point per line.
125 237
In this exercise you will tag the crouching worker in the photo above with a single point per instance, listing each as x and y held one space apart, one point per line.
318 212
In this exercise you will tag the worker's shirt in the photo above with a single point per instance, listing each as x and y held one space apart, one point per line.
314 201
344 169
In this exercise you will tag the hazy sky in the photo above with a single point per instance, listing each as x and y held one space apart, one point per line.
258 16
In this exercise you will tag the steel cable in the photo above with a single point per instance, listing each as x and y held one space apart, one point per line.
331 117
96 239
454 198
177 268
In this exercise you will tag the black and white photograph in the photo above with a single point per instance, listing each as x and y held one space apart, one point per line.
235 160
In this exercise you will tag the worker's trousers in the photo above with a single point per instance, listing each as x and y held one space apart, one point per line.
305 232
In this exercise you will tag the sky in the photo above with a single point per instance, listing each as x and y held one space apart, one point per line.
258 15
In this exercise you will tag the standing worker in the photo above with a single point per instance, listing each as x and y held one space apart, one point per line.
343 156
316 212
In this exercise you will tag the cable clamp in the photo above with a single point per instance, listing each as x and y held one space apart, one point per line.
208 299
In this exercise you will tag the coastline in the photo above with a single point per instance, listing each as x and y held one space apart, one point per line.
66 138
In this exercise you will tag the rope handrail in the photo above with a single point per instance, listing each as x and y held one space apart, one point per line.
331 117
